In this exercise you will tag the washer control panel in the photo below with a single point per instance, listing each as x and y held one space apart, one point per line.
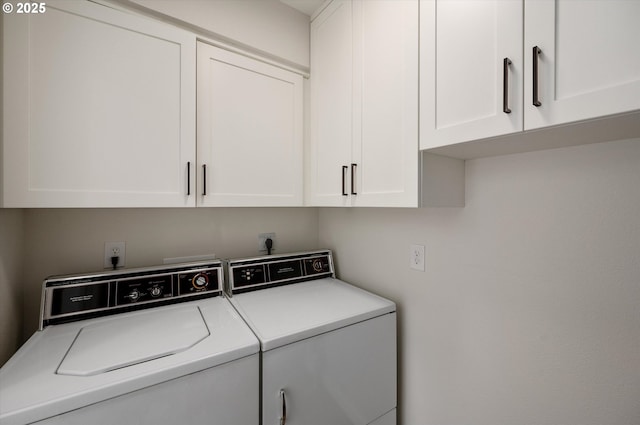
257 273
143 289
193 283
78 297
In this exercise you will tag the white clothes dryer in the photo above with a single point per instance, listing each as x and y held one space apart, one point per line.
140 346
328 348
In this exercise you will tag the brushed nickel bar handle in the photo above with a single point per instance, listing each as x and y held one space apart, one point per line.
505 85
536 53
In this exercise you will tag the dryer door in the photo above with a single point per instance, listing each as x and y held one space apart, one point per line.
343 377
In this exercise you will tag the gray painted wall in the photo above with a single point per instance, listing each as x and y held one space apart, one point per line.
529 309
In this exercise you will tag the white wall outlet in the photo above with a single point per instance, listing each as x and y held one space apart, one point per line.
262 237
416 257
114 249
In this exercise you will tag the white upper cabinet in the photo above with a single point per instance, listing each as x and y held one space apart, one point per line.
588 63
331 104
471 70
98 109
364 104
385 141
481 79
249 131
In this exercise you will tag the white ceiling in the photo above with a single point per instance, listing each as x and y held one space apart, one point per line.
305 6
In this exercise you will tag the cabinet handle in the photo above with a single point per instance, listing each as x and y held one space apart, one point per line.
283 408
505 85
344 180
536 53
353 179
204 179
188 178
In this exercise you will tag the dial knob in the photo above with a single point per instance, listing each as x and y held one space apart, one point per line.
134 295
156 291
317 265
200 281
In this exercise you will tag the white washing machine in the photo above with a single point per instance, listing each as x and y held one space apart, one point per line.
143 346
328 348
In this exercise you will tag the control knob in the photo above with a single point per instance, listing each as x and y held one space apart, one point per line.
318 265
200 281
156 291
134 295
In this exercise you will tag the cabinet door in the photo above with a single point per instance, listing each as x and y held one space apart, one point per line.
98 108
249 131
385 137
331 105
589 61
463 47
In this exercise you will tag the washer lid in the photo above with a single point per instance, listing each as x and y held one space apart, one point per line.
122 342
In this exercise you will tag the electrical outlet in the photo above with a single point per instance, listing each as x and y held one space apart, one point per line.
262 237
416 257
114 249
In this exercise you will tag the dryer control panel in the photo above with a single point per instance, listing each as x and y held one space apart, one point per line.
275 270
78 297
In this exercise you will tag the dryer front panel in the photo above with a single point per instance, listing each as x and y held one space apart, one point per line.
347 376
